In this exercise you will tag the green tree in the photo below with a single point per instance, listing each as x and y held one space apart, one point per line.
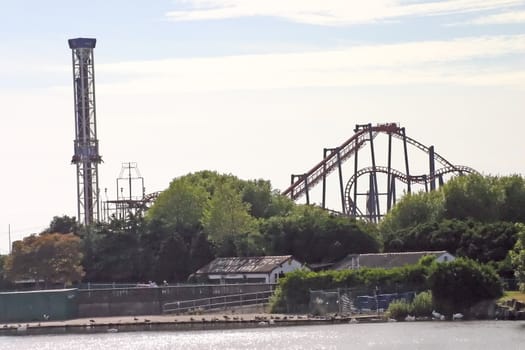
313 235
51 258
414 209
512 209
227 217
181 206
63 224
172 260
114 251
518 257
473 196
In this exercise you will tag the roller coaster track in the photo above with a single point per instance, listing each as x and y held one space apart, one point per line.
336 157
348 149
398 175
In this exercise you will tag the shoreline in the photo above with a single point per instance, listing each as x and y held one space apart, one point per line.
175 323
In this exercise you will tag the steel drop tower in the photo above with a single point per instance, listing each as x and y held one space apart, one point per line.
86 156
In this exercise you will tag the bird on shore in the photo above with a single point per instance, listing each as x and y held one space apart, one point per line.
437 316
135 319
92 321
146 320
457 316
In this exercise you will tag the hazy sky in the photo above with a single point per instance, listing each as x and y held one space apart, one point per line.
255 88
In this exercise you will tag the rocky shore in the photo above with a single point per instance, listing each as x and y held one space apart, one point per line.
510 310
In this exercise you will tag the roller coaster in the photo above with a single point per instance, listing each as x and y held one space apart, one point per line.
367 204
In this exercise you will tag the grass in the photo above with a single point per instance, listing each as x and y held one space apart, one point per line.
519 296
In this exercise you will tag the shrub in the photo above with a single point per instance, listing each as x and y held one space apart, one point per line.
460 284
422 304
399 309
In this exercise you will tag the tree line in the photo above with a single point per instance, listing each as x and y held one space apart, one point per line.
205 214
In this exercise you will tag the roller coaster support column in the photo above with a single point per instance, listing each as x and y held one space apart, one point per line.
354 208
406 160
389 175
306 189
326 151
374 174
392 193
432 168
341 185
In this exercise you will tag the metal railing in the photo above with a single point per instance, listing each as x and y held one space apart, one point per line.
219 302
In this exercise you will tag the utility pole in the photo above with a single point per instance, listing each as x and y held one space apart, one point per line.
9 235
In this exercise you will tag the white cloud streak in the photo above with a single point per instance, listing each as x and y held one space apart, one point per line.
459 61
329 12
501 18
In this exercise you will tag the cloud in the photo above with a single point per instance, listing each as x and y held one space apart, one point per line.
329 12
460 61
501 18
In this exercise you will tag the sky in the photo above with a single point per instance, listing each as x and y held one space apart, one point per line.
254 88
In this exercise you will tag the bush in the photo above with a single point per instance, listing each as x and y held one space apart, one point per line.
460 284
399 309
422 304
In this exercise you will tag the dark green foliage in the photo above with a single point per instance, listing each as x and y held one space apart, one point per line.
112 252
399 309
455 286
421 306
63 224
171 264
473 197
480 241
518 258
4 282
460 284
312 235
294 289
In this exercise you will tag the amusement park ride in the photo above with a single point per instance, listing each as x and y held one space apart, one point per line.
369 202
366 202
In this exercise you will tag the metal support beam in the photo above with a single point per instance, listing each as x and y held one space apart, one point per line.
432 167
389 175
409 189
341 185
374 174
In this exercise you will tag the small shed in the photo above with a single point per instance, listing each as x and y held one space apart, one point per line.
255 269
389 260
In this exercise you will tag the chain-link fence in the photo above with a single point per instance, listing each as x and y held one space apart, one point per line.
346 301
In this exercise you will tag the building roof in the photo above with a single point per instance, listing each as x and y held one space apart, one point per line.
386 260
254 264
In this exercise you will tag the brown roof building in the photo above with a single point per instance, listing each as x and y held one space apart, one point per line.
262 269
389 260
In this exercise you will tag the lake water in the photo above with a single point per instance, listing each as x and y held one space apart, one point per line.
500 335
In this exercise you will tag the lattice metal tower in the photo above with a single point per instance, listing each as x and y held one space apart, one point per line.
86 156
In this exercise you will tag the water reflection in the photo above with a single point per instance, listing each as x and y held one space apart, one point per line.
424 335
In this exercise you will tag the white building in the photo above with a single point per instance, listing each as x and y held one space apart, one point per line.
256 269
